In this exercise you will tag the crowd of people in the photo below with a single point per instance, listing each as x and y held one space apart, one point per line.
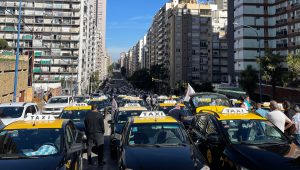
287 120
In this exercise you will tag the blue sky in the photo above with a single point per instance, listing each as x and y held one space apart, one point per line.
127 21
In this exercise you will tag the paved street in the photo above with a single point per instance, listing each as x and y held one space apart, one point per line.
110 164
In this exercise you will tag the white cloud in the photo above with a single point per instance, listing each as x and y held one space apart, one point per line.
137 18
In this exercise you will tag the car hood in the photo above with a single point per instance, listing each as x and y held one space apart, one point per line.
283 156
56 105
50 162
149 158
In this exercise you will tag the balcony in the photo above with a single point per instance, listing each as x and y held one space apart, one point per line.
279 10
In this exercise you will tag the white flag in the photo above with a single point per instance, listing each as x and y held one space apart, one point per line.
189 92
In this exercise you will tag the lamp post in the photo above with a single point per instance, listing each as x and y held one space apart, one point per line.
17 54
259 56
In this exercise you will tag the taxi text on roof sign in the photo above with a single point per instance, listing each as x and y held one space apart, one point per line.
132 105
153 114
80 104
234 111
170 101
39 117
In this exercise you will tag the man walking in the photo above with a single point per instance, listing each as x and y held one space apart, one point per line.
94 125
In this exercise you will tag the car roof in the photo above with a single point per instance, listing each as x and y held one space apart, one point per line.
141 120
37 124
170 104
132 108
78 108
18 104
234 115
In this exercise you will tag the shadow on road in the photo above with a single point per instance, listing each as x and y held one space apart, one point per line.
110 164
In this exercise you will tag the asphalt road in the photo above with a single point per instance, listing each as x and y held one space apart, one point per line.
110 164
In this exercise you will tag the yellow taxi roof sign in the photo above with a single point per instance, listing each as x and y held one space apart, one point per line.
170 101
234 111
132 105
153 114
80 104
31 117
166 119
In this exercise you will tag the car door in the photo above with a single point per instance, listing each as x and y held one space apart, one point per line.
214 150
197 132
72 158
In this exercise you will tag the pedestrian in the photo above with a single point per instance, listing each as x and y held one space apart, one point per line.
94 125
177 113
261 111
296 121
247 102
114 107
278 118
288 111
243 105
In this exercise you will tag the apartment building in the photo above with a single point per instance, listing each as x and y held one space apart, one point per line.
275 21
190 43
58 35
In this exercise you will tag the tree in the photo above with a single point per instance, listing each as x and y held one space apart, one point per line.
248 80
95 82
110 70
4 45
123 71
272 70
293 63
141 79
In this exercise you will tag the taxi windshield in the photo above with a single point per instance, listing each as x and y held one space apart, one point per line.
79 99
123 116
74 115
157 134
11 112
100 104
58 100
141 102
252 132
30 142
210 100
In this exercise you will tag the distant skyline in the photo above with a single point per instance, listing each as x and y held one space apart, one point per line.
127 22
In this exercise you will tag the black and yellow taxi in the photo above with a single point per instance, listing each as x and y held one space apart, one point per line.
102 104
77 114
119 120
208 101
167 105
41 142
156 141
237 139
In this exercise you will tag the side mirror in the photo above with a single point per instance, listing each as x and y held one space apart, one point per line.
213 138
109 121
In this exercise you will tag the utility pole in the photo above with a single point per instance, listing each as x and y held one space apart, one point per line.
17 54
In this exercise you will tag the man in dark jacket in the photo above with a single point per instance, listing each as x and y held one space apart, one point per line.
94 124
288 111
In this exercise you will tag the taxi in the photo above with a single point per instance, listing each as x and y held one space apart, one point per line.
156 141
41 142
77 114
208 101
167 105
118 121
237 139
102 104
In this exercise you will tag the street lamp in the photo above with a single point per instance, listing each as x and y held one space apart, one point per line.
259 56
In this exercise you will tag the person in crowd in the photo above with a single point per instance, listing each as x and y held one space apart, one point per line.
278 118
243 105
261 111
94 124
288 111
114 107
296 121
177 113
247 102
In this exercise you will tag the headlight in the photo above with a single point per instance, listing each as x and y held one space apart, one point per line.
243 168
205 167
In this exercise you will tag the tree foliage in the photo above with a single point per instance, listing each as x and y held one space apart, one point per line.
248 80
141 79
293 63
95 81
4 45
272 70
159 72
110 70
123 71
